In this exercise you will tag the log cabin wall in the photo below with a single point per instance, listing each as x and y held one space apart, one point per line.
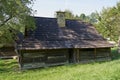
103 54
7 52
86 54
94 54
42 58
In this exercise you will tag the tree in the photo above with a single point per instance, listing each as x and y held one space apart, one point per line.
93 17
77 17
14 17
69 14
109 22
83 16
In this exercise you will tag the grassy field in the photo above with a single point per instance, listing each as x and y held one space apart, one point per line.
92 71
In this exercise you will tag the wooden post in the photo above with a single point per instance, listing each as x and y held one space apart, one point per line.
20 59
76 56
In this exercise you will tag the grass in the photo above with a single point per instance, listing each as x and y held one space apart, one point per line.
92 71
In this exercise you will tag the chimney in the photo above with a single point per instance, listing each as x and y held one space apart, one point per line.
61 18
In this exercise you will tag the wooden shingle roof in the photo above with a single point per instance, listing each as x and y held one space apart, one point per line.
76 34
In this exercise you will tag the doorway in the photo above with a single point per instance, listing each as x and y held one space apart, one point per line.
71 55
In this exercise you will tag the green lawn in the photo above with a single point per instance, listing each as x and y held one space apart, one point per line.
93 71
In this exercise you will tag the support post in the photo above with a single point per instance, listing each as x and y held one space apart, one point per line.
76 56
19 59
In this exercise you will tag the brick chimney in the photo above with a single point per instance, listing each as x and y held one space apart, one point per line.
61 19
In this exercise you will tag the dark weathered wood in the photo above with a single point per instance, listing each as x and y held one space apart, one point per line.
56 59
20 58
7 52
43 58
89 54
86 54
103 52
71 55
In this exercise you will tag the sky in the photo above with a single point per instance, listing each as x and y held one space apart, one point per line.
47 8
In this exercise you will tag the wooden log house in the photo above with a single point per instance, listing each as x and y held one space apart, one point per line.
7 52
57 41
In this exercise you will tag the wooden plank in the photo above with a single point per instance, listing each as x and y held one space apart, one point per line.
87 55
56 64
56 59
33 65
102 53
37 59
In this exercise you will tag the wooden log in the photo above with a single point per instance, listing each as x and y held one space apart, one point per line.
33 65
56 59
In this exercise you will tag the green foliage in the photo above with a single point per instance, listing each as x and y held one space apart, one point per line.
5 36
14 17
69 14
94 17
83 16
109 22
